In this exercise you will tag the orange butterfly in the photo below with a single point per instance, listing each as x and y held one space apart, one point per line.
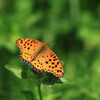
39 56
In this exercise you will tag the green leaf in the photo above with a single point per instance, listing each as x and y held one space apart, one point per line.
50 79
15 70
63 80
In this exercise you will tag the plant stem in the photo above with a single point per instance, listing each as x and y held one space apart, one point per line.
39 90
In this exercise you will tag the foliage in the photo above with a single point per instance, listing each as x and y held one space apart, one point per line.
73 29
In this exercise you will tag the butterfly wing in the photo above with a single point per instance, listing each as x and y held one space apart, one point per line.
48 62
28 47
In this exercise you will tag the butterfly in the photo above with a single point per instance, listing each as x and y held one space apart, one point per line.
39 57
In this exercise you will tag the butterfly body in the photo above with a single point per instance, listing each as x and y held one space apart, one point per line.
39 56
40 50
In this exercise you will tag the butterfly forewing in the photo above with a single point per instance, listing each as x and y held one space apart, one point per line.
28 47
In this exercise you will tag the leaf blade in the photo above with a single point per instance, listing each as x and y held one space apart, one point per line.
16 70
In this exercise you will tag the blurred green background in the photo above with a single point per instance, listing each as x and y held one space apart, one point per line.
73 29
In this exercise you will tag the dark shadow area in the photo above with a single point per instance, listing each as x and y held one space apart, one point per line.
69 42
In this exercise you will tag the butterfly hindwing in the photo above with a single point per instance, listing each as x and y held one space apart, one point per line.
49 62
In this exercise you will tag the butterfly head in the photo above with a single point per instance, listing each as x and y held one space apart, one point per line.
46 44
